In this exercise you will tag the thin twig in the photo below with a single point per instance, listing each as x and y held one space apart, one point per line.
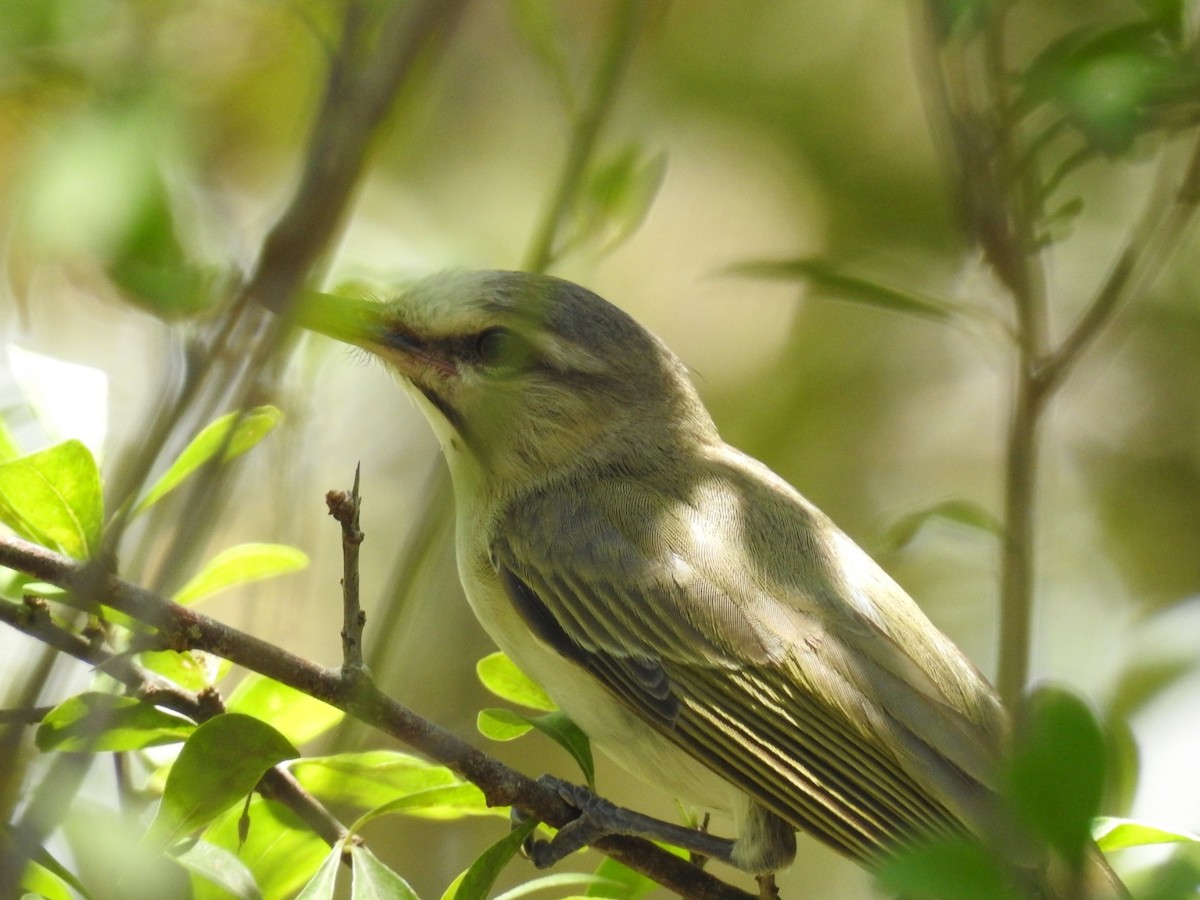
345 508
352 691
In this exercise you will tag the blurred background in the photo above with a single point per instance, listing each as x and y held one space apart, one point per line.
772 130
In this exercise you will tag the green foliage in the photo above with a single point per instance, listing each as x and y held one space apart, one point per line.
947 870
297 716
230 436
53 498
500 675
94 723
476 883
219 765
243 564
958 512
1120 834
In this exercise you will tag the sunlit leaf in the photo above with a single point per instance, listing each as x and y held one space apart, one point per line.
243 564
477 882
827 279
280 849
218 766
191 670
94 722
218 867
619 882
372 880
1118 834
324 883
69 400
297 716
500 724
500 675
1056 774
231 435
53 498
449 802
9 448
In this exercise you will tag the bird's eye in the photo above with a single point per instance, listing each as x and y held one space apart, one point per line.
500 348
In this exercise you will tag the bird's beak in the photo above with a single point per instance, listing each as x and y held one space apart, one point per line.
371 326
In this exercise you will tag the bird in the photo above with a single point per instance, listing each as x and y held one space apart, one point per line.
709 629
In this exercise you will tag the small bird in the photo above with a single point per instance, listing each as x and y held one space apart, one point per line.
705 625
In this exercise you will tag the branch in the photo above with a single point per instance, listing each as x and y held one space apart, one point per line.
351 691
345 508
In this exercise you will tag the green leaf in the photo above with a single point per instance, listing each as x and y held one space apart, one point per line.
958 512
1112 834
280 849
9 448
39 883
559 728
827 279
218 766
324 883
231 435
243 564
500 675
452 801
375 881
53 498
478 880
617 197
191 670
502 724
94 723
619 882
219 867
1056 774
601 886
946 870
297 716
375 778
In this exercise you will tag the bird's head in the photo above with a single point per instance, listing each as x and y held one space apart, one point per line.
525 377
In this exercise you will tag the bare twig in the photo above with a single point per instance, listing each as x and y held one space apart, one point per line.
345 508
182 628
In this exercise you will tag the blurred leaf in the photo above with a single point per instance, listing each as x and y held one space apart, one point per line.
68 400
1176 879
963 18
39 883
53 498
616 198
1117 834
372 880
827 279
500 724
150 263
9 448
539 24
243 564
219 867
219 765
1056 774
324 883
946 870
477 882
1168 16
619 882
297 716
1143 681
232 435
500 675
601 886
280 849
95 723
960 512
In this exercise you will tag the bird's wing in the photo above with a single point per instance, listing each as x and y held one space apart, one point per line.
749 660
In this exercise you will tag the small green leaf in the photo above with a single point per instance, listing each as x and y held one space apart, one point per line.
478 880
958 512
500 675
617 197
601 887
502 724
452 801
94 723
218 766
243 564
1117 834
829 280
53 498
946 870
297 716
9 448
1056 774
232 435
373 880
191 670
324 883
219 867
619 882
558 727
280 849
